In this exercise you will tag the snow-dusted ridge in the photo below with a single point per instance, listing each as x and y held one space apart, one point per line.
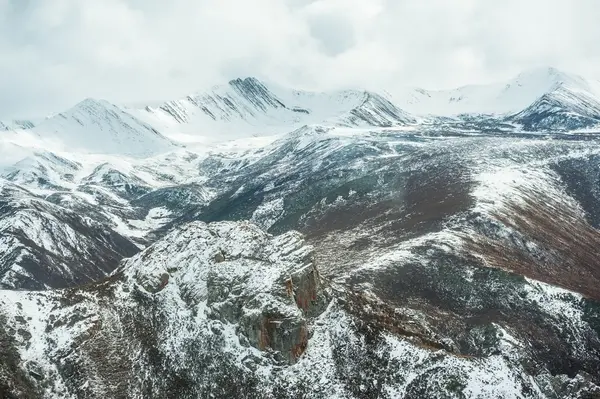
16 124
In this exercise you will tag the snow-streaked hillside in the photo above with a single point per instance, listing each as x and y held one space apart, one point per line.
97 126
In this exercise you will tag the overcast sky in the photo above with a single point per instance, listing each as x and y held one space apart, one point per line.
56 52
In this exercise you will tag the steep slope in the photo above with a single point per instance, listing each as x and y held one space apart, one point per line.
249 103
125 185
225 287
69 219
442 266
97 126
446 228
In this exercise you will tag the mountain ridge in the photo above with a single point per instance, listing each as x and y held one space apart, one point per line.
248 106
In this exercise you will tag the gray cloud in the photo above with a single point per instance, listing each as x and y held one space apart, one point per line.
56 52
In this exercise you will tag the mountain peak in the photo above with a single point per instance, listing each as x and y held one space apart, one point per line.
91 103
246 80
549 78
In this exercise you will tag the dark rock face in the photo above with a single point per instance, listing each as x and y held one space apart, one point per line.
273 317
256 93
378 111
14 382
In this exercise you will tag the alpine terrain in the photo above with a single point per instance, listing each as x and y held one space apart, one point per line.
255 241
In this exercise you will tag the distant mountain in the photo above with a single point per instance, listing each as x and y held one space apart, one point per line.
565 107
250 103
98 126
543 98
507 97
43 170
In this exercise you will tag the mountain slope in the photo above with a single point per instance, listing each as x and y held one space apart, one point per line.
344 259
441 266
43 170
560 109
97 126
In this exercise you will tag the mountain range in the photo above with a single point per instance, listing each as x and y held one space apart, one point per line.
543 99
255 241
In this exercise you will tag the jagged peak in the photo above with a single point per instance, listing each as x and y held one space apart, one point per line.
249 80
306 132
86 106
91 103
313 129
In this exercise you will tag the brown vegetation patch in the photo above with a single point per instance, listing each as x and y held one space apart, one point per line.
567 248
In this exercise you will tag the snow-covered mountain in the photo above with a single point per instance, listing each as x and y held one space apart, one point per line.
350 251
45 245
507 97
97 126
563 108
244 104
250 106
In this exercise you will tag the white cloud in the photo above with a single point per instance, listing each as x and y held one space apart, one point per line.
56 52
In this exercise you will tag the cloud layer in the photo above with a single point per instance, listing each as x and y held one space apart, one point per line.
56 52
